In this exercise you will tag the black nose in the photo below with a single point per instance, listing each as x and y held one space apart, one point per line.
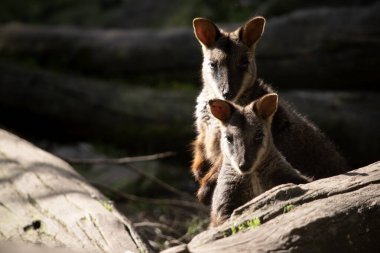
227 95
244 166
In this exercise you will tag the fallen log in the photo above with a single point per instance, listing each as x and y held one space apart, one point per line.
325 47
315 48
49 105
69 107
44 202
337 214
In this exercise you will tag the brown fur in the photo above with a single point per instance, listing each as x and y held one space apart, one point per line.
241 178
299 140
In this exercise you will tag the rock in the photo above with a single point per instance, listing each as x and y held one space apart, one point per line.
337 214
44 202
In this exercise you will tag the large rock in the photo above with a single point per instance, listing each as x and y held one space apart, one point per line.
44 201
337 214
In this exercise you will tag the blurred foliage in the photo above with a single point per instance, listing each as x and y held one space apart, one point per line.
148 13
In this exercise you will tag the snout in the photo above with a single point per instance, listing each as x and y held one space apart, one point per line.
228 95
244 166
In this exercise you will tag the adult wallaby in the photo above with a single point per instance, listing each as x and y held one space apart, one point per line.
251 162
229 72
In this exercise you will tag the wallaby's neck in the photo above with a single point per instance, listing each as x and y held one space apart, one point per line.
272 158
255 89
269 166
274 170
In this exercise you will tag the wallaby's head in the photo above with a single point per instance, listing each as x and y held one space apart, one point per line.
228 58
245 131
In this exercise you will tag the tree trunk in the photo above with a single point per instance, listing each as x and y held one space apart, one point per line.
337 214
44 201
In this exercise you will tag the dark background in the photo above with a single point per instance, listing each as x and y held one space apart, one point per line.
113 78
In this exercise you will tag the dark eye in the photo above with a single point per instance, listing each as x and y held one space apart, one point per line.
213 65
229 138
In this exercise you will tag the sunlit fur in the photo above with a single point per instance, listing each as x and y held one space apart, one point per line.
235 73
251 163
301 142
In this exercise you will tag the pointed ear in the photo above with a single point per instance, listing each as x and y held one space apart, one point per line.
251 32
206 31
221 109
266 106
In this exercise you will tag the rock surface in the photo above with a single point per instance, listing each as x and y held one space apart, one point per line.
44 201
337 214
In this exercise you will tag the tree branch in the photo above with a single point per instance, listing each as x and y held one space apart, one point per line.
174 202
120 161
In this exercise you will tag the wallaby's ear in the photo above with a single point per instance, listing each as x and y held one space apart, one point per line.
266 106
221 109
251 32
206 31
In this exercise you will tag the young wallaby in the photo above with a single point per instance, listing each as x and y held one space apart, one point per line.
229 73
251 162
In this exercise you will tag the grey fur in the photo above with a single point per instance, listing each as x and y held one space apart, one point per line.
261 168
305 147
